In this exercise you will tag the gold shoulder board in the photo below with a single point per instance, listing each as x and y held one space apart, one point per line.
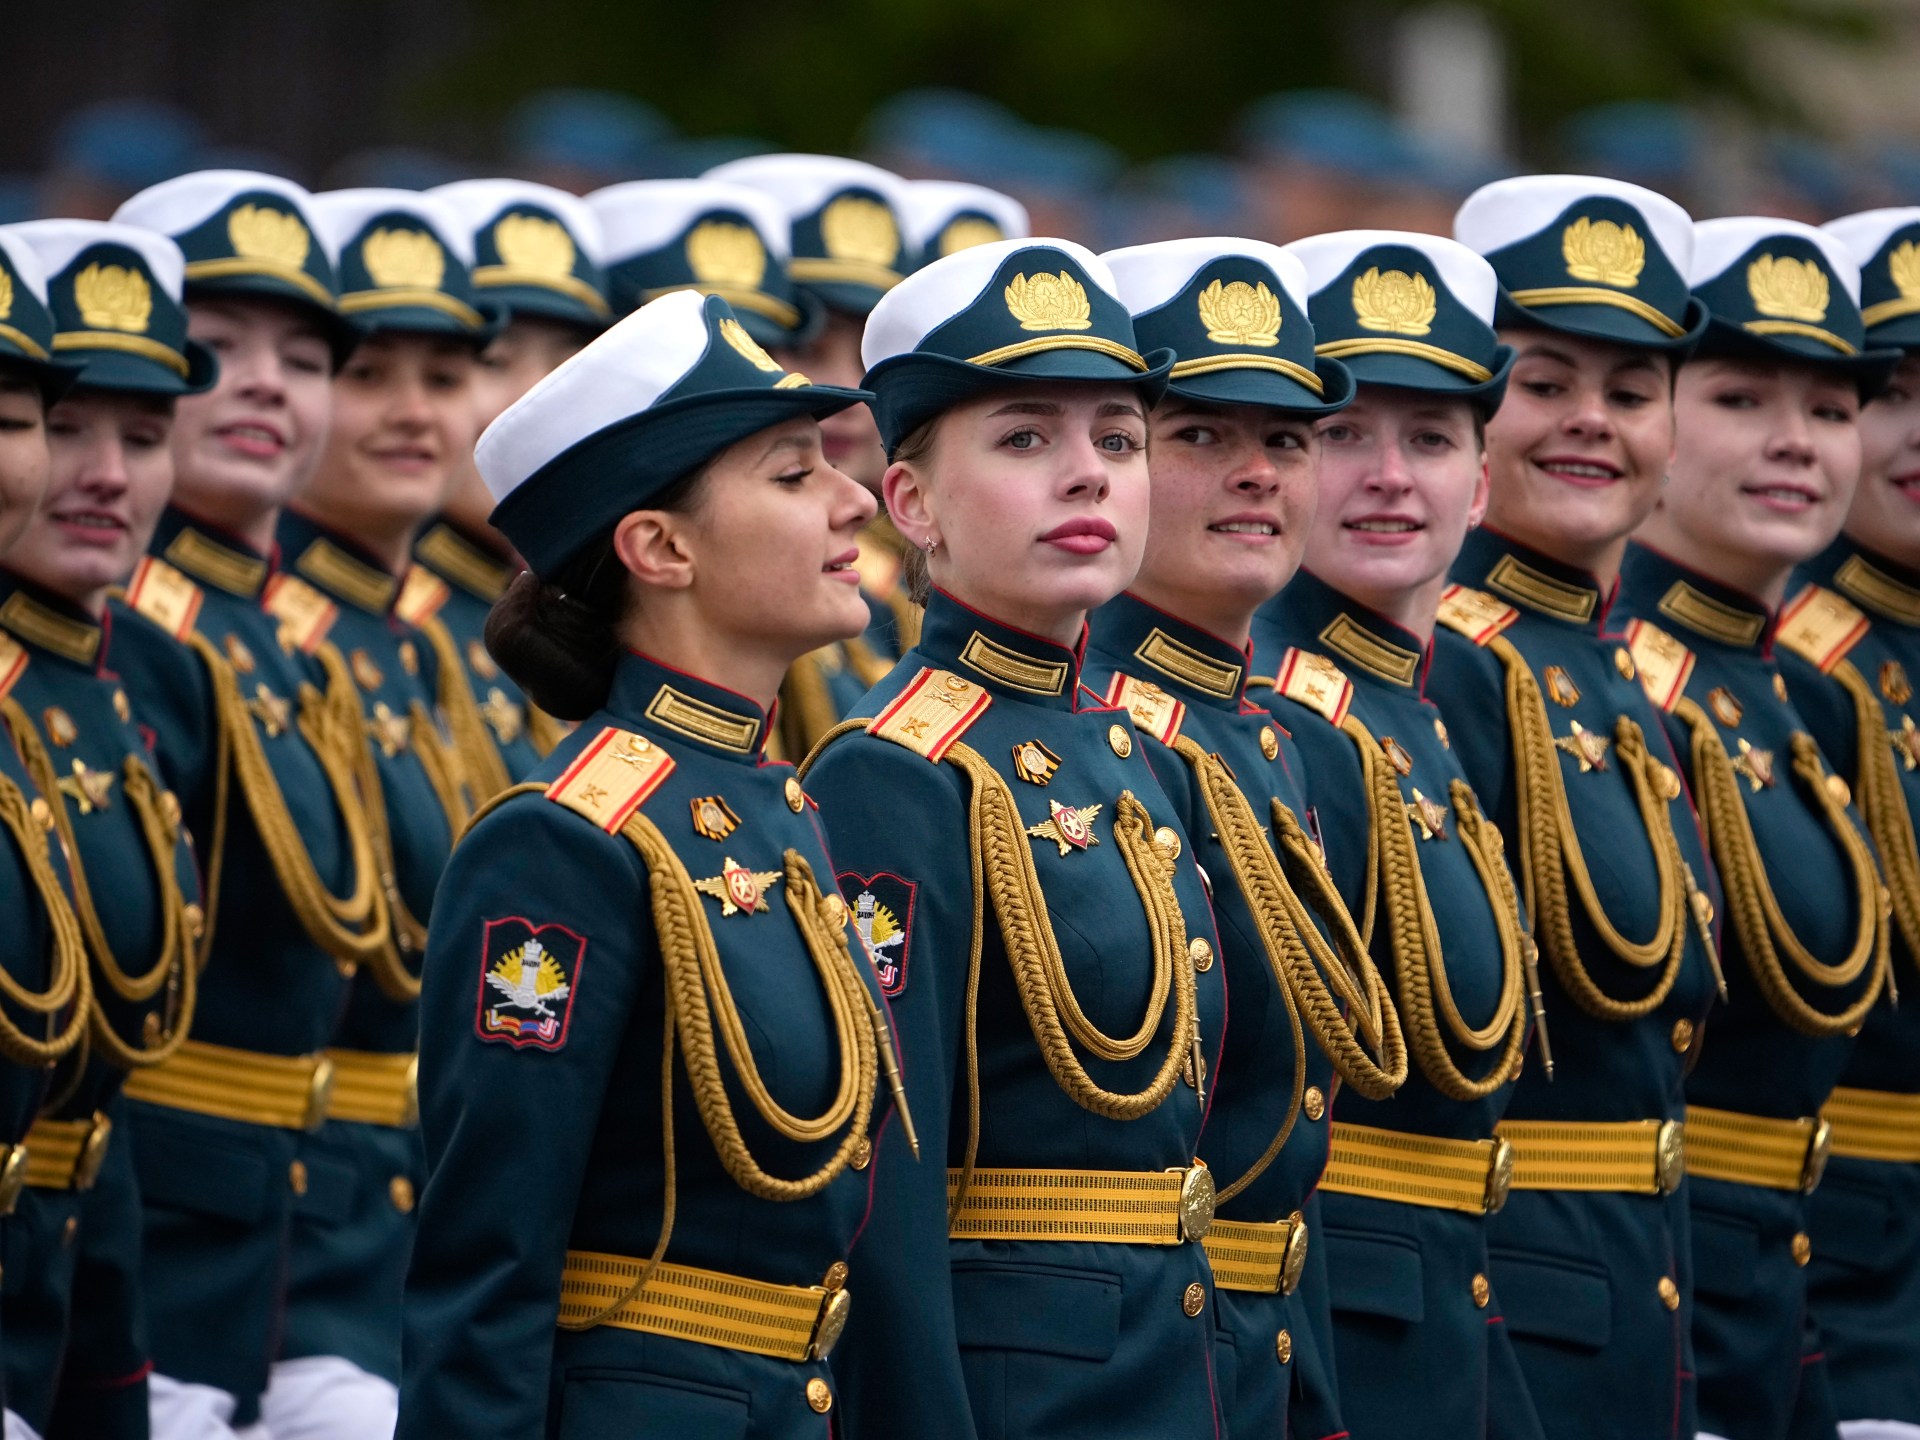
1312 680
1153 709
13 662
935 709
1662 662
1474 613
165 596
307 614
422 594
612 777
1820 627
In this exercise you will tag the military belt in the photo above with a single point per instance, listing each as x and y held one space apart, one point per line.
1121 1207
788 1322
287 1092
1757 1149
66 1154
374 1087
1264 1258
1874 1125
1638 1157
1471 1176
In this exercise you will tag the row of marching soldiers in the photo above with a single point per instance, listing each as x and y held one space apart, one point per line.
432 1004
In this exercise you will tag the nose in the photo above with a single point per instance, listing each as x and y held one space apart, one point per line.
103 469
1391 475
1083 470
1254 475
1588 418
853 503
258 373
408 408
1792 440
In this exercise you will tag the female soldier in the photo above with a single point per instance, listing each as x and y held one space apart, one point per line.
293 902
401 417
71 1300
1409 1179
1569 758
1765 465
1233 463
659 880
1012 862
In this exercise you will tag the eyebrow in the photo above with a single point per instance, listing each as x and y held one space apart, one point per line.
784 442
1120 407
1026 407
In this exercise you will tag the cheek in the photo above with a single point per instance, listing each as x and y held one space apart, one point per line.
150 478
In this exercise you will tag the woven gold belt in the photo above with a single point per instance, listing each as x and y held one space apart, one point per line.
1640 1157
1874 1125
788 1322
66 1154
1265 1258
288 1092
1471 1176
375 1087
1757 1149
1125 1207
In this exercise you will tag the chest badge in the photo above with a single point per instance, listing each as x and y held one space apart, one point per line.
389 731
409 658
738 889
1034 762
1397 755
713 818
238 655
1726 709
1585 746
1906 743
90 790
503 717
122 707
366 674
59 726
1756 765
1429 815
273 713
1560 687
1069 828
480 662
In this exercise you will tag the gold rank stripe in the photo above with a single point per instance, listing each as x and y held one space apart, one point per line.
1821 626
216 563
1582 1155
612 777
1153 709
422 593
1474 613
1662 662
287 1092
1748 1149
1409 1169
685 1303
1352 641
1183 662
1248 1256
1716 619
1011 668
325 563
307 614
697 720
1518 580
165 596
13 663
1877 590
464 563
934 711
1314 681
372 1087
1874 1125
65 1154
1123 1207
38 625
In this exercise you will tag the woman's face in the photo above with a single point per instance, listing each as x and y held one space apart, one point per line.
1577 449
1402 479
1234 490
24 462
112 470
851 439
247 446
1766 465
518 358
1886 506
1038 500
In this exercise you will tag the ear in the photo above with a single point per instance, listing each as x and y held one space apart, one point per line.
904 489
1482 492
653 550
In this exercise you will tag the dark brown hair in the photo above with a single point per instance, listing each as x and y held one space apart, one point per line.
912 450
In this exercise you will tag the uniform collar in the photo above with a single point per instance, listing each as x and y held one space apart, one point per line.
1150 644
459 559
49 623
1884 587
209 555
1671 594
341 568
1363 642
1008 662
1535 582
683 709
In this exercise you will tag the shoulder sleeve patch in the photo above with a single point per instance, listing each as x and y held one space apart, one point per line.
935 709
422 594
164 596
880 907
1314 681
1474 613
612 777
1663 664
529 975
1153 710
1820 627
306 614
13 662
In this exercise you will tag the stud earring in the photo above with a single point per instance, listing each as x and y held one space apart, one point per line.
932 545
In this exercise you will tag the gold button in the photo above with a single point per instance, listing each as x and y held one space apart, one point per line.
862 1153
795 799
196 919
42 813
1167 841
1802 1248
836 1276
297 1177
1682 1035
1120 740
1623 662
1201 953
400 1191
819 1396
152 1031
1669 1292
1270 747
1314 1102
1482 1292
837 912
1195 1300
1440 733
70 1229
1837 788
1283 1347
1779 687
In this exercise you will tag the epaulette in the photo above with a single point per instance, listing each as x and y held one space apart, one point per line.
1663 664
935 709
1474 613
1821 626
422 593
165 596
612 777
1154 711
305 613
1311 679
13 662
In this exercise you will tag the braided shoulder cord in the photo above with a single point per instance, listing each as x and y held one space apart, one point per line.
479 757
450 783
1884 803
806 705
68 985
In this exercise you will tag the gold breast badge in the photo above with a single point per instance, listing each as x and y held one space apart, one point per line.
738 889
1034 762
1585 746
88 789
1560 687
390 731
1906 742
1756 765
1069 828
273 713
713 818
1429 815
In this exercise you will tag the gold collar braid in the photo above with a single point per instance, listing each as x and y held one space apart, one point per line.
68 984
1884 804
1763 929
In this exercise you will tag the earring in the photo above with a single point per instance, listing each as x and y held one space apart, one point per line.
1665 480
932 545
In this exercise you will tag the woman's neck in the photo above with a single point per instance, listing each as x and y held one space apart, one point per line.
251 525
675 637
1062 627
1224 616
1763 577
1412 610
1599 559
390 544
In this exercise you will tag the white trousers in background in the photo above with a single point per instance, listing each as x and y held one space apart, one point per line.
322 1397
1878 1430
17 1429
181 1410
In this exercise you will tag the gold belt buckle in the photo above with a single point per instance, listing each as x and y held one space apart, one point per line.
1818 1149
1499 1174
1670 1156
834 1309
319 1094
412 1112
13 1177
93 1152
1196 1202
1293 1258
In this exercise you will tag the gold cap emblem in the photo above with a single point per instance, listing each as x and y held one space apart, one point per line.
6 293
404 258
1394 301
723 253
1049 302
856 228
735 334
1604 253
967 232
1904 266
1240 314
534 244
260 232
1788 288
112 297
